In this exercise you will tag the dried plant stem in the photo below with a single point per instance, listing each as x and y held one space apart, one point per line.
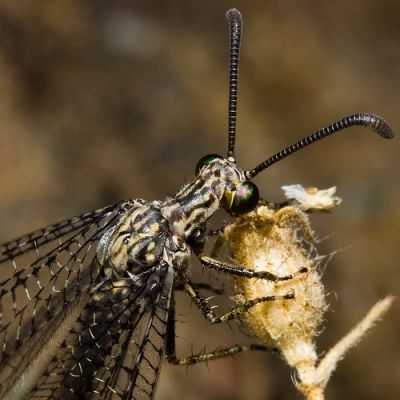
334 355
312 381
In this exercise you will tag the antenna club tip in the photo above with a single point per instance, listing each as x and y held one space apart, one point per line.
234 16
379 125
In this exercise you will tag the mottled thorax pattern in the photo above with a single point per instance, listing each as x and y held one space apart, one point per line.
136 243
197 201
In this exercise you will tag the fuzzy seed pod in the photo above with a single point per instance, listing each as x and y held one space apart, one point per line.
279 242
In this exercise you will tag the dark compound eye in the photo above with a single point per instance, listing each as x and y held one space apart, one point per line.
205 160
245 198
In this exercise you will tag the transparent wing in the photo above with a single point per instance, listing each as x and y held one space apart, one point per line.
42 275
114 350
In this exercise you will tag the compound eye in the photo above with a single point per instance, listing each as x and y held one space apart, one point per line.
205 160
245 198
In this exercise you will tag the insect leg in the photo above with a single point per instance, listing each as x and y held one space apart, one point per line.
220 353
221 266
211 317
170 346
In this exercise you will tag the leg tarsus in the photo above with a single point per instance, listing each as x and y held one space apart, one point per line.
211 317
243 272
219 353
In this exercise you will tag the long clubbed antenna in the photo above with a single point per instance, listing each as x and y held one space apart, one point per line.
235 28
378 124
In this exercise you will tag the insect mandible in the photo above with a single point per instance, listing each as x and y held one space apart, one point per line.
87 305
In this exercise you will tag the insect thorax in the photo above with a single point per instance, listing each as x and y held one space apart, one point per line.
136 242
151 233
197 201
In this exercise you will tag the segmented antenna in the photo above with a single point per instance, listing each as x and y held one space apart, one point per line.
378 124
235 28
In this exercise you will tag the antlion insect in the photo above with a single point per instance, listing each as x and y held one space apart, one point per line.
87 305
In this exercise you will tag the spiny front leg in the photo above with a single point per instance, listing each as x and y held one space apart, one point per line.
216 354
221 266
170 346
211 317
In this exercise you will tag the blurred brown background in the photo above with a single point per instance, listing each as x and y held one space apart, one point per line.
106 100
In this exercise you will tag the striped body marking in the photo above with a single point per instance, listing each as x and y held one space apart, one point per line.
154 232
